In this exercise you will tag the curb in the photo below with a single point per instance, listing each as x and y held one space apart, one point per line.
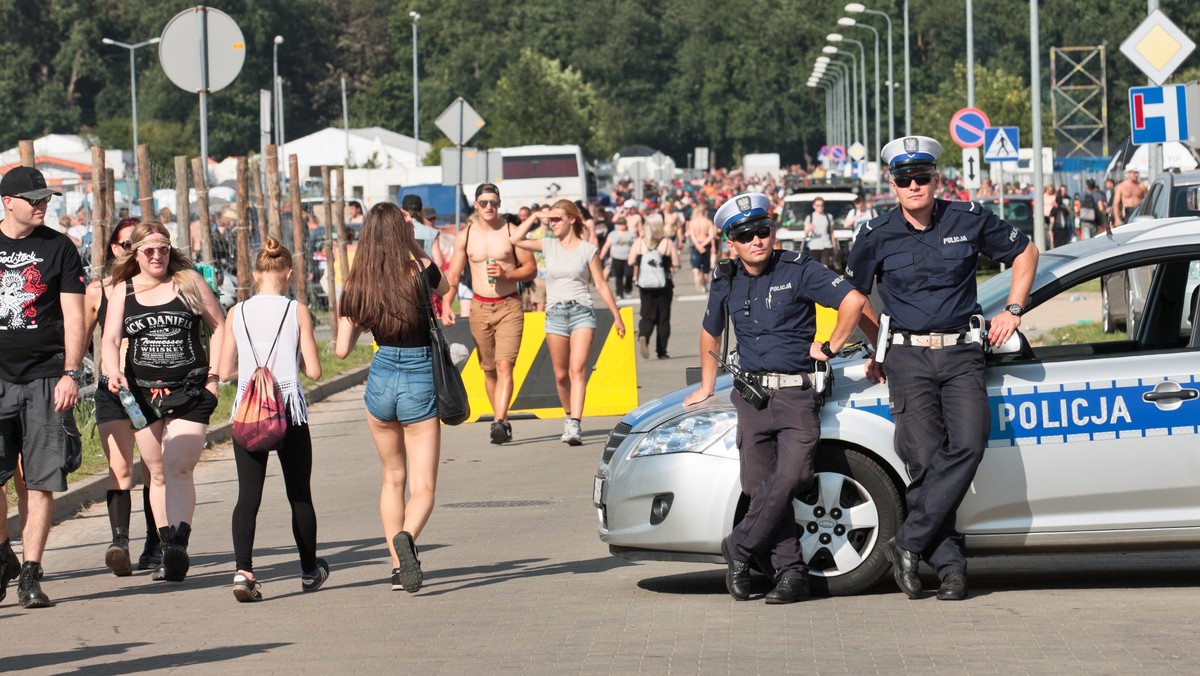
94 488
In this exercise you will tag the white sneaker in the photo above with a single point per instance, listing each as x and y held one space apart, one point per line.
571 435
566 435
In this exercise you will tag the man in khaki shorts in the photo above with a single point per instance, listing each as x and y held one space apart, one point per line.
496 316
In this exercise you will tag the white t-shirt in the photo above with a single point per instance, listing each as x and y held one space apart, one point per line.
820 232
567 273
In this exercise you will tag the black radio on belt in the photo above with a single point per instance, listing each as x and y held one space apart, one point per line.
751 390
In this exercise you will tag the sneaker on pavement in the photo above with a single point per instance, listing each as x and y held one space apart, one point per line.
246 589
572 433
501 432
311 583
566 430
644 347
409 575
29 589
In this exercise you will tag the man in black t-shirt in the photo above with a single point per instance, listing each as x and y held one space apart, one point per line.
41 345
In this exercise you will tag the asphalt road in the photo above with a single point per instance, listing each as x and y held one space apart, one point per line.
518 582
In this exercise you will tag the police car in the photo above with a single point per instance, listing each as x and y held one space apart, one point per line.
1093 445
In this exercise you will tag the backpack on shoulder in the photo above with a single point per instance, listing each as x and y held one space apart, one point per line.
260 422
1087 208
652 274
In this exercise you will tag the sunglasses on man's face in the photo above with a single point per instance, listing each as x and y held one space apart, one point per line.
905 181
37 202
747 236
494 204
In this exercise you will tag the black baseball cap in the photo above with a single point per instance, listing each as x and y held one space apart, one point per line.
486 188
412 203
25 182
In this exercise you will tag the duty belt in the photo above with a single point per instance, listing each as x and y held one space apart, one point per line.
934 341
778 381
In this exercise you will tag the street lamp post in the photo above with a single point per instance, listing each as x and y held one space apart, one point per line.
416 95
862 81
848 72
859 8
133 85
277 96
847 21
907 78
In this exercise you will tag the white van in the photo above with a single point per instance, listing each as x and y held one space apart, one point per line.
542 174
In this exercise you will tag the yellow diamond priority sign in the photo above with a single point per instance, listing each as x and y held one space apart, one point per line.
1157 47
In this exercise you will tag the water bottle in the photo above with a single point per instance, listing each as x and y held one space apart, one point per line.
132 409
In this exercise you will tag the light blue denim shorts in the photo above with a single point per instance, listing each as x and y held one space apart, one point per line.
562 319
400 385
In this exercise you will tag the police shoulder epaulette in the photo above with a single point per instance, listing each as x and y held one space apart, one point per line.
791 257
973 207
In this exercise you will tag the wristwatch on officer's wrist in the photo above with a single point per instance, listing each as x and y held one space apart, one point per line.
1014 309
826 351
74 374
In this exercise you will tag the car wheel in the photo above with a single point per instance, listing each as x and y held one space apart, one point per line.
853 507
1106 319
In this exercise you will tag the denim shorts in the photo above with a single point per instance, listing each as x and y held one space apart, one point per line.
400 385
562 319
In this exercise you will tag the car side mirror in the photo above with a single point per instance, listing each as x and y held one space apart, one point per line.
1013 345
1193 198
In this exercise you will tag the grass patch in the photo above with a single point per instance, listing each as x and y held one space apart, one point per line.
95 462
1079 334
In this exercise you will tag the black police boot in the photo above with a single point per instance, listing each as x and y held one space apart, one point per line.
10 567
164 536
904 568
175 556
954 586
789 590
117 555
29 587
737 578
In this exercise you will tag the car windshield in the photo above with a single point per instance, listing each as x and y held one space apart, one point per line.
794 213
993 293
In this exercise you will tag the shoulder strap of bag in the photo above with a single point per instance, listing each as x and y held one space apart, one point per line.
428 292
278 332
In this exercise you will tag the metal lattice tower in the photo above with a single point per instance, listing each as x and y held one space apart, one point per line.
1083 90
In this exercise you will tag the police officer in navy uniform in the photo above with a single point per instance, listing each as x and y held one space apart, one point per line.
923 255
770 295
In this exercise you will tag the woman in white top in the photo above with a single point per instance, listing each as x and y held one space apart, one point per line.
571 264
278 331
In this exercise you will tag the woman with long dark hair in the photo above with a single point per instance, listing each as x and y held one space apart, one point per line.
388 294
116 430
164 302
571 264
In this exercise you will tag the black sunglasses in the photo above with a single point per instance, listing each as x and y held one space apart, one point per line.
905 181
36 202
747 236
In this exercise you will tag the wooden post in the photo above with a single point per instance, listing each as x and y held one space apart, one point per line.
27 157
145 183
274 223
259 204
99 238
110 199
243 232
183 207
330 291
200 179
339 217
299 233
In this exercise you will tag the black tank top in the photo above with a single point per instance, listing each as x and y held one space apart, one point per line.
164 340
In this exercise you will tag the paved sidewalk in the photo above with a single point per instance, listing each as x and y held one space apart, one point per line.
518 582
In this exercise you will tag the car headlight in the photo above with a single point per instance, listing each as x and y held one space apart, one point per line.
690 434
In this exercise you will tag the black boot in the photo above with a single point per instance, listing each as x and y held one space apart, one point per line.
10 567
151 557
29 588
117 556
175 556
164 536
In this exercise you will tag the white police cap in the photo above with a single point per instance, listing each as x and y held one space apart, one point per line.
745 209
911 153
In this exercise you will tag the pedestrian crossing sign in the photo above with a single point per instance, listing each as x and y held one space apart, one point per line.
1001 144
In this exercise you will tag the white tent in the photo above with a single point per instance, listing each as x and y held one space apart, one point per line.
1175 156
373 146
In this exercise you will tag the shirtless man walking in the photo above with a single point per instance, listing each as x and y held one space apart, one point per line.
1127 195
703 235
496 316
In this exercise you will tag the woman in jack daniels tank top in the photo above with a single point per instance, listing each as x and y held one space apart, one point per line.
170 374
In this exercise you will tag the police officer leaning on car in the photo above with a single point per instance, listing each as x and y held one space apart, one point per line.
923 255
770 295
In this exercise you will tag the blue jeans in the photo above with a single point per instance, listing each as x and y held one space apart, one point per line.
400 385
562 319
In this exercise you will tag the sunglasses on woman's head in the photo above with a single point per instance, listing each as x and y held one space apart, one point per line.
747 236
905 181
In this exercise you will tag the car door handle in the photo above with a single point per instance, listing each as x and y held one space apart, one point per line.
1183 394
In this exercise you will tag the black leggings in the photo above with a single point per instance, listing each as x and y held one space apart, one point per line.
622 275
295 459
656 315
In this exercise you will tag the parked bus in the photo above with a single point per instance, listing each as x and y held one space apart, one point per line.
542 174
